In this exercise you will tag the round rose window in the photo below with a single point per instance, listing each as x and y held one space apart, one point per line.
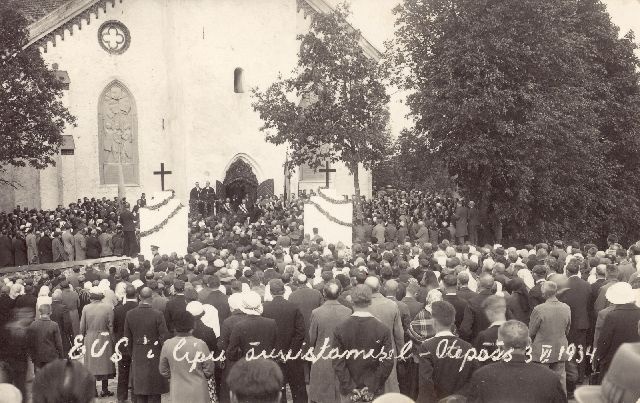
114 37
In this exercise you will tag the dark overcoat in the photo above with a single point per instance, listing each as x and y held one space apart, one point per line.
146 331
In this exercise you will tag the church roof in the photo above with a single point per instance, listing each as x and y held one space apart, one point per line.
49 16
33 10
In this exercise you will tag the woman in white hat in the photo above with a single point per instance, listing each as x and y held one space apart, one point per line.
619 326
96 325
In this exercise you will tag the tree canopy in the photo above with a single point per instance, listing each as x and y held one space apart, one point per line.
533 104
334 105
32 116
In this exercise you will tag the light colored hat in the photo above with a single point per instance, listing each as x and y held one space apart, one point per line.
620 293
393 398
9 393
251 303
195 308
235 301
137 283
620 383
218 263
96 290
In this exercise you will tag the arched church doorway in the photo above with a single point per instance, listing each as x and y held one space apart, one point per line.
239 182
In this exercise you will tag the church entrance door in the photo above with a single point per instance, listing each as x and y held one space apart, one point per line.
240 182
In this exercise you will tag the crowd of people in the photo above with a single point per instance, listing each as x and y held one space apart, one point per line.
408 312
88 229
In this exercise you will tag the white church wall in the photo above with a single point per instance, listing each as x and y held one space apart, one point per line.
220 123
179 69
91 69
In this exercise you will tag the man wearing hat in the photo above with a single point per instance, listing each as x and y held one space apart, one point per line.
620 325
156 255
253 329
146 330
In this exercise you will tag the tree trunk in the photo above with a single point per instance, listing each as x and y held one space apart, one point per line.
356 198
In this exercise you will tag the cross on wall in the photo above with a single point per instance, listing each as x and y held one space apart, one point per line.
327 171
162 173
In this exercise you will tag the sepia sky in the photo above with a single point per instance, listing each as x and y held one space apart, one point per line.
375 19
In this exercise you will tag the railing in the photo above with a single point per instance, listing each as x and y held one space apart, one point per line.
63 265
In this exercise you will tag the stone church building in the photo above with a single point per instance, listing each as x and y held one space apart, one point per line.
167 83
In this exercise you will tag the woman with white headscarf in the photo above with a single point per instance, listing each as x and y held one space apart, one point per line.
422 327
109 295
43 297
206 328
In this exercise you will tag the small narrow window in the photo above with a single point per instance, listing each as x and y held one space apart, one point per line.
238 80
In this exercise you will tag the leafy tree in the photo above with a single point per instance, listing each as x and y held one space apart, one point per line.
334 106
32 117
532 104
417 170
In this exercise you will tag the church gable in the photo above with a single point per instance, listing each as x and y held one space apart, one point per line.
50 18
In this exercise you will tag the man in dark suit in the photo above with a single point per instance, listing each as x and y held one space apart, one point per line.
128 221
475 320
411 301
290 337
45 247
539 274
176 304
195 196
146 331
463 287
6 250
535 383
620 325
450 282
363 332
601 271
253 329
217 298
226 328
306 299
495 308
60 315
119 315
474 223
442 375
208 197
577 296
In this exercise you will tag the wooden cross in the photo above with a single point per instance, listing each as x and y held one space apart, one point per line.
162 173
327 170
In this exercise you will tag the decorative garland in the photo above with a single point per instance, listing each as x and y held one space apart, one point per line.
162 223
331 199
329 216
162 203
